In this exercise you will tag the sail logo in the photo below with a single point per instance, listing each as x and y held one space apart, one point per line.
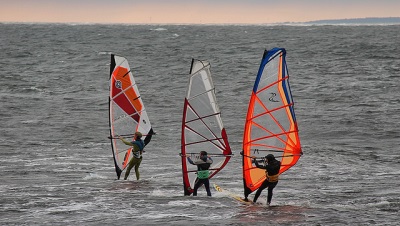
118 84
272 98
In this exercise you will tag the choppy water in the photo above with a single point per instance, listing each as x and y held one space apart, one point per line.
56 160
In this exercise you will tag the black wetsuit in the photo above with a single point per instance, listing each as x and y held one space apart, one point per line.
271 169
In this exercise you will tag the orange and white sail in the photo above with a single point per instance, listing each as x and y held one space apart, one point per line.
271 126
127 113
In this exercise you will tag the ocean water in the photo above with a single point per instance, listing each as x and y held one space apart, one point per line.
56 161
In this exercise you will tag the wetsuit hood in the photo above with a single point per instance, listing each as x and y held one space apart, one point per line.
270 157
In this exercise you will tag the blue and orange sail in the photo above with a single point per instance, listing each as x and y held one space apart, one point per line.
271 126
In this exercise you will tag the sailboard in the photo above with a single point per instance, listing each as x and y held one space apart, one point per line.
271 126
232 195
127 113
202 127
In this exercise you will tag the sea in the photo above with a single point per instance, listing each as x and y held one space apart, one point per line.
56 161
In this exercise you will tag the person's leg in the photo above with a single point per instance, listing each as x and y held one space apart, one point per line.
270 189
130 166
260 189
138 161
207 186
196 186
246 195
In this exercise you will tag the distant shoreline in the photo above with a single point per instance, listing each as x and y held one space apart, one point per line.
368 20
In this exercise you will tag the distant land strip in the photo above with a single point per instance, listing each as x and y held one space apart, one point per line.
367 20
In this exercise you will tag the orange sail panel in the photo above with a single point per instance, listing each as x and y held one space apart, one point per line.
271 126
202 128
127 113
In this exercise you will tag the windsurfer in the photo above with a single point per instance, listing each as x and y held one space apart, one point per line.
137 151
203 164
271 167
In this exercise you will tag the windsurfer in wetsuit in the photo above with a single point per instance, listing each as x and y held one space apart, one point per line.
272 172
203 164
137 151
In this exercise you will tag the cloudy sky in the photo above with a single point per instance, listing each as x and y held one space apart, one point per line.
192 11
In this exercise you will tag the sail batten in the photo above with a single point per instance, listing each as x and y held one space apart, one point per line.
202 127
271 126
127 113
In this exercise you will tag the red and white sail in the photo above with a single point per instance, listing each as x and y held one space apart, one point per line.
202 128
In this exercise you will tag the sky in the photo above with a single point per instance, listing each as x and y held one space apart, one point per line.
192 11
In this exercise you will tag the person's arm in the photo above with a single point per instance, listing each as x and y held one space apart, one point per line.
209 160
126 142
257 164
190 161
133 144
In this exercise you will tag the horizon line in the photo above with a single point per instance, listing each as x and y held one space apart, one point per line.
317 22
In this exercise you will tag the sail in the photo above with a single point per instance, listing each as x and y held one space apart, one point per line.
202 128
271 126
127 113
